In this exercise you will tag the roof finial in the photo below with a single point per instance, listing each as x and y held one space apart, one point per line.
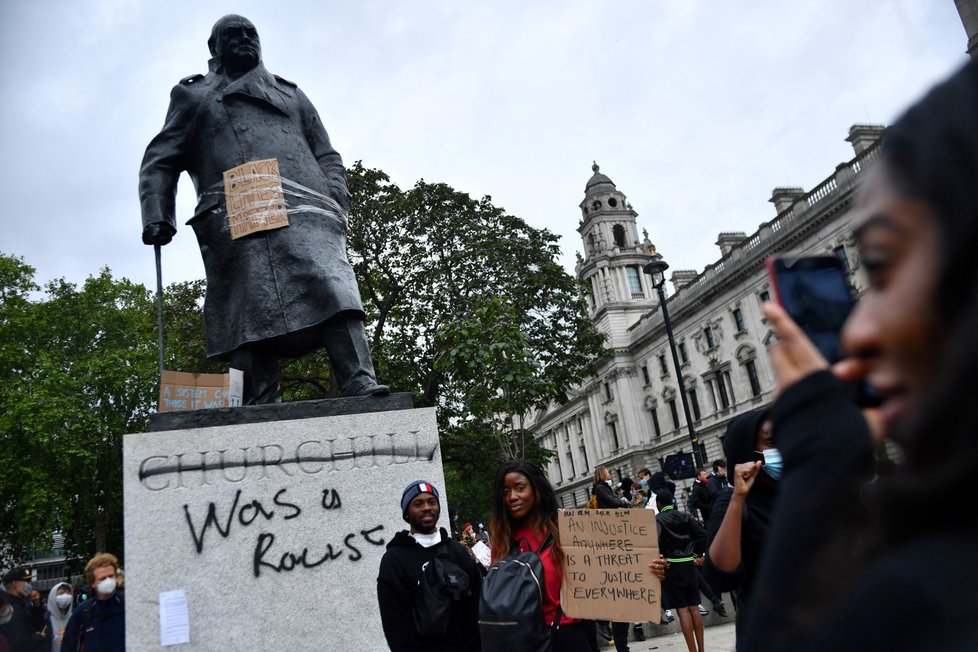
595 167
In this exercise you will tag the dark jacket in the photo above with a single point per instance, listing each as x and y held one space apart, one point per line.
606 497
701 499
658 481
680 535
397 584
922 593
271 283
739 443
19 630
716 482
97 626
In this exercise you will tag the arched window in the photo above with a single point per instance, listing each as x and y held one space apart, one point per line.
618 231
746 356
652 407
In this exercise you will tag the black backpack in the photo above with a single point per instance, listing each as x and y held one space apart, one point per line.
441 584
511 609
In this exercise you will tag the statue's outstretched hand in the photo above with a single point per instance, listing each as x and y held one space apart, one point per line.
158 233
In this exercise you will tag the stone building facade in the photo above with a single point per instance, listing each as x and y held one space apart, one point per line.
630 416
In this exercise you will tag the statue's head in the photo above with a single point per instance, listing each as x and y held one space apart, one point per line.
234 40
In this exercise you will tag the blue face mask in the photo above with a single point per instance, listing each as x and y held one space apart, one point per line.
773 464
644 483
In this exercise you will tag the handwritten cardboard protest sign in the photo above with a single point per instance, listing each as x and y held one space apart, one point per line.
181 390
254 197
607 553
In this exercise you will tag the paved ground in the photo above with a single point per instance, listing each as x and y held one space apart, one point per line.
718 635
717 638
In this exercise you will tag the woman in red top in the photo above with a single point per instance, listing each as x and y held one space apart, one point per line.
524 513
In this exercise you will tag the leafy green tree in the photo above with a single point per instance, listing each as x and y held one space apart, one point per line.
469 310
79 370
16 286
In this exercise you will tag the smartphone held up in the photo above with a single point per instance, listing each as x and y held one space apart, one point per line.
815 292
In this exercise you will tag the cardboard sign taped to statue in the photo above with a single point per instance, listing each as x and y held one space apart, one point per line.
607 553
254 197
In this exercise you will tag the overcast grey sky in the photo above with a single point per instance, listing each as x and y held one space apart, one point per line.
695 109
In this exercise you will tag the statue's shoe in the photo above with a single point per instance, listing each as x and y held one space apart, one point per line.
370 389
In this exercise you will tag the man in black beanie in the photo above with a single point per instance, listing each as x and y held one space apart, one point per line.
411 599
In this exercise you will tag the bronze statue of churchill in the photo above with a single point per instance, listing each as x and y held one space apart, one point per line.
275 293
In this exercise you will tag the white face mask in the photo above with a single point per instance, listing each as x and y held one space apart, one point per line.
63 600
27 589
106 586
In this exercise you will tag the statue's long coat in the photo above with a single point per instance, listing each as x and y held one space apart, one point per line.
272 285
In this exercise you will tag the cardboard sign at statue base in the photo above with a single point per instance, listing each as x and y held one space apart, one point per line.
273 531
607 553
182 390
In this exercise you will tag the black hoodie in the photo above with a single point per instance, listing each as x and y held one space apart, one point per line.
739 446
397 585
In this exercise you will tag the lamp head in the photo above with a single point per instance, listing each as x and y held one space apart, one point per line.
656 268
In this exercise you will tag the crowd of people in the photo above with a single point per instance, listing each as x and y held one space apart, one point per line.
70 620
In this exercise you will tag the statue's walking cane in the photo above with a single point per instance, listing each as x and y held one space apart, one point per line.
159 305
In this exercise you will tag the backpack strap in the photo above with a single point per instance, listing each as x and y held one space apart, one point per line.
555 625
515 548
443 551
546 543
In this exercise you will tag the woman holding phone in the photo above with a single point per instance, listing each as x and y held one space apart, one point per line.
899 572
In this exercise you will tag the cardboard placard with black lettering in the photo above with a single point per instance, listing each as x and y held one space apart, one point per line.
607 553
254 197
273 531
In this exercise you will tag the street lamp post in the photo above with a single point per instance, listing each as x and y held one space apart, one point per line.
656 268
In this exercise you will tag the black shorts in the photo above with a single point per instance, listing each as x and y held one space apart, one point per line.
679 588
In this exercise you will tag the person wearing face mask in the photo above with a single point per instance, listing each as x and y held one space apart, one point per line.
739 523
645 482
19 630
896 573
603 492
99 623
59 610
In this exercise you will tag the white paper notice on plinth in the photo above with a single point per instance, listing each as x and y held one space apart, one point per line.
174 618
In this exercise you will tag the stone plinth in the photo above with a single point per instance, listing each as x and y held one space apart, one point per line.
274 529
